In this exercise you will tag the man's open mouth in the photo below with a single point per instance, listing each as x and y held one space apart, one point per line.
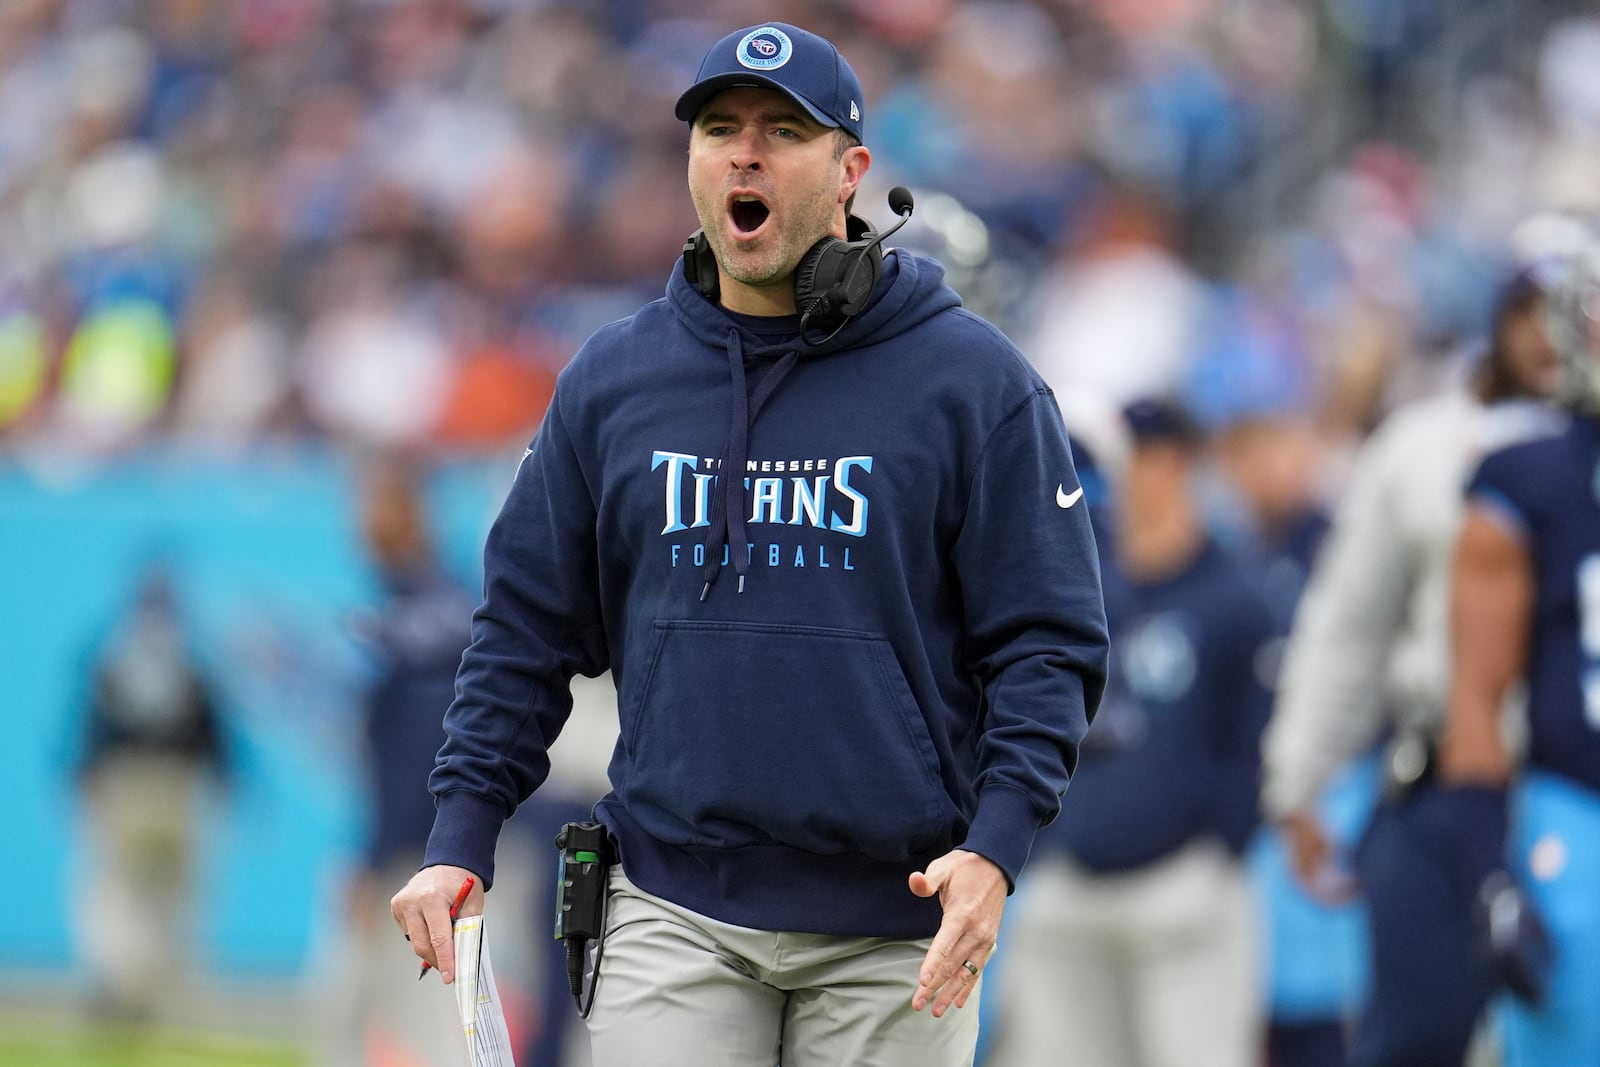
747 213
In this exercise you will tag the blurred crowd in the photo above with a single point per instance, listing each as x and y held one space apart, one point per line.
392 221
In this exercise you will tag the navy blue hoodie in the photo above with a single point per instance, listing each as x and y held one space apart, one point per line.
886 640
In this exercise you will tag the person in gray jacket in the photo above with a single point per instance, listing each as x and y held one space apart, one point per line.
1368 660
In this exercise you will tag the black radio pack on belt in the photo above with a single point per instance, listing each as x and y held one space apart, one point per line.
834 278
583 863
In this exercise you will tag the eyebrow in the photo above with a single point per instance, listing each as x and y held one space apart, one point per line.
791 116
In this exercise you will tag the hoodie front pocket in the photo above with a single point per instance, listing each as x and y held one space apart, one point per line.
744 734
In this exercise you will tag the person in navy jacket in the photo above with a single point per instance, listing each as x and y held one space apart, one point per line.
1133 942
822 525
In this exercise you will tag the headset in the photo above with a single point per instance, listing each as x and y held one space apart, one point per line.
833 280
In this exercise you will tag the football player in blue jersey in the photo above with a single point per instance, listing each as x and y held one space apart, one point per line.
1526 606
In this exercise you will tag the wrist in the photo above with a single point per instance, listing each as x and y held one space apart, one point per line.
1473 770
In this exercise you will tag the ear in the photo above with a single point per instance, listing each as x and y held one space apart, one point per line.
853 166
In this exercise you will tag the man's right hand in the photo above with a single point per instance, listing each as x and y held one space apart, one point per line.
1314 860
422 910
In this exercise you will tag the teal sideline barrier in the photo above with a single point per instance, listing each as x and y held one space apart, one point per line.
270 573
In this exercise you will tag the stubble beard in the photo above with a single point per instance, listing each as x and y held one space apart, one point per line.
770 259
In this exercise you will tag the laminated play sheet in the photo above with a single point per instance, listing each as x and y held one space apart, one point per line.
483 1019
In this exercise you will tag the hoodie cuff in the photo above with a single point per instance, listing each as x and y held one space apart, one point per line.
1003 831
465 829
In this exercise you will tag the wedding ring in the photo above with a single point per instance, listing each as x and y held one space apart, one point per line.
972 968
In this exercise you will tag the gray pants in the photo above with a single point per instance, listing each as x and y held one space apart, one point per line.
677 988
1153 968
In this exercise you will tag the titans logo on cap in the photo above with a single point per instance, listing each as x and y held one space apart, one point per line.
765 48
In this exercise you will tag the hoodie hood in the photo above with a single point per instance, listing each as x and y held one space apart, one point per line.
910 292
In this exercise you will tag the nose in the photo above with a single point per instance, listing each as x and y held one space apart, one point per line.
746 153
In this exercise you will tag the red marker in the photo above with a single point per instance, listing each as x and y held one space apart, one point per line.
455 909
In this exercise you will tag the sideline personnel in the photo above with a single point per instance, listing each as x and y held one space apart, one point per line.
833 760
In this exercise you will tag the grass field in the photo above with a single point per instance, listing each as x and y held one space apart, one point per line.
55 1042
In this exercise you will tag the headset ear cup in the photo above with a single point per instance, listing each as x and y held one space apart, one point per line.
863 269
816 274
835 278
700 265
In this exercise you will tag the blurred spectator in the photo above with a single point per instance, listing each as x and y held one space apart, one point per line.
23 363
493 153
1132 939
151 739
236 387
374 365
1117 312
1569 84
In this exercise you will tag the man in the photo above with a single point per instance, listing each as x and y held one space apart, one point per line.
152 744
1367 657
414 640
1133 941
1268 452
852 676
1526 589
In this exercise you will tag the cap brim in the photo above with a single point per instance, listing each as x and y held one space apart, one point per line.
691 102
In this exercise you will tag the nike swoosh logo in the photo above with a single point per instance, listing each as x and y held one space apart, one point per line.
1065 499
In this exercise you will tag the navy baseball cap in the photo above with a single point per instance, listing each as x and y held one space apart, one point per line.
1152 420
783 57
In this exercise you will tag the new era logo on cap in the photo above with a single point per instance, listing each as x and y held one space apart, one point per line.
786 58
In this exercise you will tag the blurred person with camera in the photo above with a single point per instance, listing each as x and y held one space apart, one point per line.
823 526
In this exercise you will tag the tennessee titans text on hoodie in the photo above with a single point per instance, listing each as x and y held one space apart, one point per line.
885 639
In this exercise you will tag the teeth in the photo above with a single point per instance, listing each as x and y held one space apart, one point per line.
747 200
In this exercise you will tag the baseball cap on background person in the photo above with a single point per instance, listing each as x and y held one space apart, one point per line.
776 55
1158 420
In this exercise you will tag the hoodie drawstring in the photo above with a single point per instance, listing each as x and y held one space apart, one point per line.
727 507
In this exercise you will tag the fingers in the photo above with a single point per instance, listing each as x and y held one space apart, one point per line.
1307 845
972 892
422 911
442 940
1315 861
950 977
926 885
1334 886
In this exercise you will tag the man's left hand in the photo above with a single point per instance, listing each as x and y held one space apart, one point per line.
972 892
